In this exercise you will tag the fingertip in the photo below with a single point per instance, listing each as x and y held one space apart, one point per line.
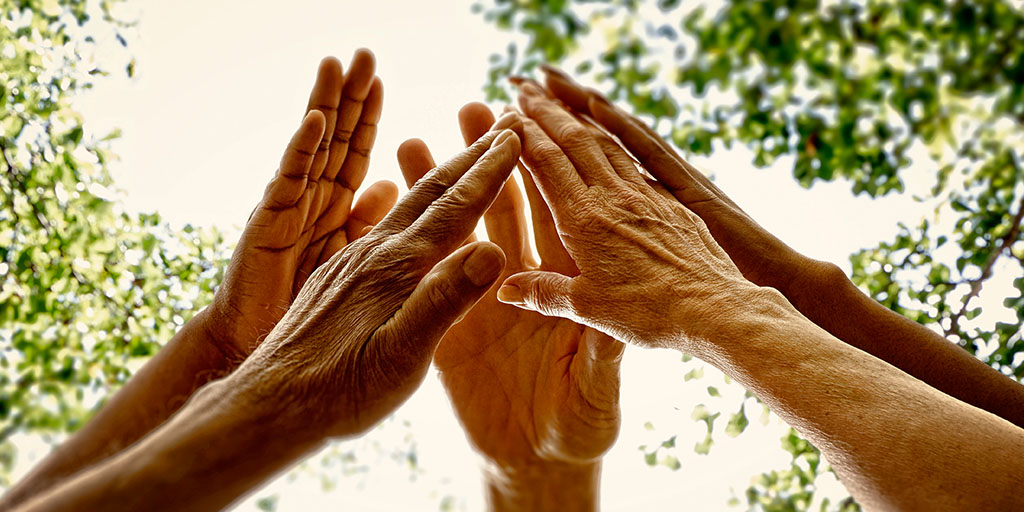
484 264
315 121
474 110
410 145
475 119
414 160
360 76
508 139
509 293
330 64
364 56
386 190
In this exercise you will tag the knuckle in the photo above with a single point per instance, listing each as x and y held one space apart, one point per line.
442 295
548 154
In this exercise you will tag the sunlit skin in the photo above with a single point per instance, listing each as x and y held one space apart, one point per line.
538 396
819 290
353 346
305 218
651 274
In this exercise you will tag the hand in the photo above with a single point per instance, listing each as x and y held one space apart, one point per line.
306 214
360 335
532 392
642 257
761 257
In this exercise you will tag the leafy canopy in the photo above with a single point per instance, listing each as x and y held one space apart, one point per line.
87 291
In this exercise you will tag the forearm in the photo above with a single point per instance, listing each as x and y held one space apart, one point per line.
896 442
151 396
827 297
553 486
215 449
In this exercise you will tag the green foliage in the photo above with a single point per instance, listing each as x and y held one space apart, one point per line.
87 291
846 89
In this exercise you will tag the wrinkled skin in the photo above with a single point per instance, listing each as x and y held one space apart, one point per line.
650 272
361 333
528 389
763 258
306 214
821 291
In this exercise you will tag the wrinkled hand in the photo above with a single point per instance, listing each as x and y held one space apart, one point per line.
763 258
528 389
361 333
306 214
650 273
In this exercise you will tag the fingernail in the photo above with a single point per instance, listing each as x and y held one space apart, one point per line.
510 294
502 138
483 266
554 71
507 119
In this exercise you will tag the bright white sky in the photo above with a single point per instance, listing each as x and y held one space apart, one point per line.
221 86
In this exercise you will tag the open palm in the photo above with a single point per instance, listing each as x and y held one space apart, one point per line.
306 214
527 388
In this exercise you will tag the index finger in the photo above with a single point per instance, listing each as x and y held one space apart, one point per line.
448 220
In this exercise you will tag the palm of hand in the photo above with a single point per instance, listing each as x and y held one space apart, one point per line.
306 214
523 386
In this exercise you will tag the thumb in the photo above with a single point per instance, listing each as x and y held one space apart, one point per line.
547 293
446 293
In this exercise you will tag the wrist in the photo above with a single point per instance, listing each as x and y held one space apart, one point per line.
546 485
214 339
745 315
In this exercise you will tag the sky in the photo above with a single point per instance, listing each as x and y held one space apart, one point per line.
220 87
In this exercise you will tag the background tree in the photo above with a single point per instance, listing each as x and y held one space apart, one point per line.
853 90
87 291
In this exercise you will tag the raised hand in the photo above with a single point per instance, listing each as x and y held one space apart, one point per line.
306 214
354 344
652 274
819 290
538 396
642 257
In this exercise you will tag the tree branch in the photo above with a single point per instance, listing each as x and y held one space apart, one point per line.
1005 243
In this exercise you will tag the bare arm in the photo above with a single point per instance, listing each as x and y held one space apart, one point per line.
651 274
819 290
355 344
305 217
536 395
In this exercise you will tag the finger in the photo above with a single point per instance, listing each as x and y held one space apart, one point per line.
623 164
452 217
358 159
571 136
287 186
475 119
565 89
371 207
505 219
358 82
437 182
444 295
596 367
547 293
554 173
686 183
415 161
553 255
324 97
